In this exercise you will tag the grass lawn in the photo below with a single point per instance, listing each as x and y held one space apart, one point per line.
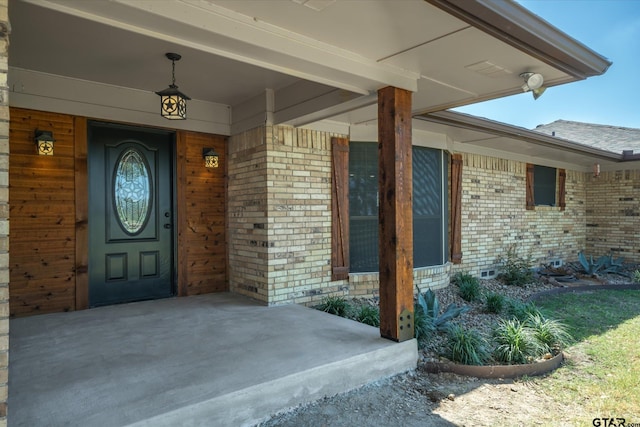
601 378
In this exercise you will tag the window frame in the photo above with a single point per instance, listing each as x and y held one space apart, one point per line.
444 252
559 188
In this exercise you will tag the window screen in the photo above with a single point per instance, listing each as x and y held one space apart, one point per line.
544 185
363 206
429 204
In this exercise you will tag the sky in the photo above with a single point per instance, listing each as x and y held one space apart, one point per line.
609 27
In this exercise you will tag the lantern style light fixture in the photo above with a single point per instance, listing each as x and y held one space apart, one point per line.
173 103
210 158
44 142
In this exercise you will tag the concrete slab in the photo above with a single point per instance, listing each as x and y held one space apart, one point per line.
217 359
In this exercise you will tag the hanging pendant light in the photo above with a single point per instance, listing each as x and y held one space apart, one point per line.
173 103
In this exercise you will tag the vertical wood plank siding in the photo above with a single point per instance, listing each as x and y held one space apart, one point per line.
48 214
42 215
202 231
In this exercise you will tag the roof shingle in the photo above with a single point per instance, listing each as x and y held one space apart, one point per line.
611 138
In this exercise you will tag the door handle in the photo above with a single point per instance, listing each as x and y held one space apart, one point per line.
167 226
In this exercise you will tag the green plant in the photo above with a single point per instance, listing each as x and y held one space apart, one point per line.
515 342
368 315
603 323
516 270
589 266
421 323
612 265
636 276
494 302
428 304
469 286
550 333
467 346
520 310
335 305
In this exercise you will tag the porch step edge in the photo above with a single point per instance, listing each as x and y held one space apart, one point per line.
252 405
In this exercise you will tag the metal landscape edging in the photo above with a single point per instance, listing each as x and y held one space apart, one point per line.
497 371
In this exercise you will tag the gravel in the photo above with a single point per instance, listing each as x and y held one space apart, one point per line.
419 398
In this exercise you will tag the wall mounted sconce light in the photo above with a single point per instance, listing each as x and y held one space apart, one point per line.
44 142
596 170
533 82
210 158
173 103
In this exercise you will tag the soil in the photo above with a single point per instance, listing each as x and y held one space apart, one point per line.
419 398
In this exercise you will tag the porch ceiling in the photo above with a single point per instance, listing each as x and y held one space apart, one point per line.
321 58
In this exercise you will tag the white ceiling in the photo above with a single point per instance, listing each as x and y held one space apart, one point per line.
321 55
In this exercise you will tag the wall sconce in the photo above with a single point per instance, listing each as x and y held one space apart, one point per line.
533 82
596 170
173 103
210 158
44 142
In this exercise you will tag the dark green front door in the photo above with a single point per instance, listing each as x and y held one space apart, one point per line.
130 214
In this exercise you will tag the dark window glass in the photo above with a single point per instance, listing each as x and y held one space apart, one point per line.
544 185
428 200
363 206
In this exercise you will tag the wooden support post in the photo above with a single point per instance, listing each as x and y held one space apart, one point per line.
395 214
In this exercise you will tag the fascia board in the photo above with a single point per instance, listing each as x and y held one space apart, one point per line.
517 26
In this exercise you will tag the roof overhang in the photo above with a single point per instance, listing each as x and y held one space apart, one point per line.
476 134
284 61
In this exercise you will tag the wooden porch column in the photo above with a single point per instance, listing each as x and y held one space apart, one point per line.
395 214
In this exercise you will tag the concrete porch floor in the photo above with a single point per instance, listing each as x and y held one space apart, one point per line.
214 360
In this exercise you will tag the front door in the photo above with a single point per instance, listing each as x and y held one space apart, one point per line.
130 214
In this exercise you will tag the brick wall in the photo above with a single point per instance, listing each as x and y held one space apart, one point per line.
494 216
280 219
247 214
4 211
279 214
367 285
613 215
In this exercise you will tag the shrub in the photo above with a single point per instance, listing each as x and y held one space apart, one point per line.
551 334
469 286
335 305
494 302
428 305
605 264
467 346
516 270
515 343
520 310
422 324
368 315
589 266
636 276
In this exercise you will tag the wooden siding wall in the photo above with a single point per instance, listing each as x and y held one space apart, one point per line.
42 215
202 255
43 193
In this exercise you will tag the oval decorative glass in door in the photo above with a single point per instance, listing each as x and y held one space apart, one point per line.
132 191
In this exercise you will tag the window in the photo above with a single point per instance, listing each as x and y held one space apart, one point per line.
429 207
363 206
542 186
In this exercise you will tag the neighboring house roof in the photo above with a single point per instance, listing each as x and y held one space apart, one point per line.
605 137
